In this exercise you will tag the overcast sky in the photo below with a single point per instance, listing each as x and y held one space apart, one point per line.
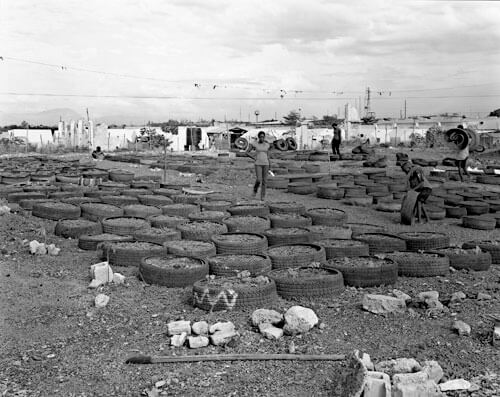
322 54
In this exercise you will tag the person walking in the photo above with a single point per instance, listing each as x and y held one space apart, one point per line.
261 157
337 138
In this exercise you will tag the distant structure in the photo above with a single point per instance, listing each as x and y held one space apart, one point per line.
75 134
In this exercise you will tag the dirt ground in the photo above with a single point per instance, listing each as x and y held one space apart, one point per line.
54 342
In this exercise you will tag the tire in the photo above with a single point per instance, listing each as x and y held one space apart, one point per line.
281 145
74 228
172 271
488 179
388 206
413 264
362 228
141 210
292 235
165 192
29 203
277 182
209 297
479 222
179 209
249 209
99 211
385 273
292 144
478 261
335 248
320 232
124 225
56 210
119 201
301 188
435 213
455 212
494 205
491 246
156 235
300 284
228 265
247 224
17 197
239 243
194 249
216 205
287 208
476 207
241 143
154 199
327 216
201 230
92 242
121 176
130 253
330 191
210 216
382 242
289 220
290 255
424 241
168 221
187 199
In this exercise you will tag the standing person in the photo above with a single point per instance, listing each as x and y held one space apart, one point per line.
419 183
461 158
337 138
262 163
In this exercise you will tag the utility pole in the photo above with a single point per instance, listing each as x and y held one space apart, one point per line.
405 109
368 100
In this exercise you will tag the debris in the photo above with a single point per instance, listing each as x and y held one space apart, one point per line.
265 316
496 335
95 284
462 328
455 384
381 304
179 327
401 295
222 333
377 384
457 297
398 366
118 278
481 296
4 210
366 360
101 300
291 348
195 342
299 319
221 326
178 340
101 273
37 248
200 328
160 384
53 250
413 378
433 370
426 389
270 331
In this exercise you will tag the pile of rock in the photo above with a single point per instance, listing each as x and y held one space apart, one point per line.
200 334
37 248
272 324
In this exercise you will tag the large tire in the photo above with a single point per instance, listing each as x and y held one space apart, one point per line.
216 205
479 222
168 221
179 209
121 176
247 224
194 249
201 230
241 143
210 216
216 295
292 235
302 282
382 242
467 259
131 253
74 228
424 241
476 207
287 208
172 271
327 216
335 248
154 199
295 255
92 242
119 201
281 145
156 235
17 197
249 209
330 191
455 212
292 144
320 232
413 264
301 188
239 243
99 211
230 265
289 220
56 210
491 246
362 228
141 210
124 225
365 271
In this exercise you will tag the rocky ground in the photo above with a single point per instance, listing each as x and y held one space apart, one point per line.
56 343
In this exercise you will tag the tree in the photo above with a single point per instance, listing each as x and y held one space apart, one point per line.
329 120
292 118
495 113
25 125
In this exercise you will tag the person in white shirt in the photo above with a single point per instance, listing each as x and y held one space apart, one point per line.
262 164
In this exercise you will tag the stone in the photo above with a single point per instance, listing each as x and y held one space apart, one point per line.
365 359
220 338
179 327
426 389
101 300
377 384
261 316
37 248
401 295
434 305
95 284
200 328
433 370
455 384
101 272
457 297
462 328
481 296
222 326
398 366
299 320
270 331
382 304
428 295
160 384
118 278
196 342
178 340
53 250
413 378
496 335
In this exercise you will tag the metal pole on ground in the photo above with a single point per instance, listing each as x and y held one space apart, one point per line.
165 161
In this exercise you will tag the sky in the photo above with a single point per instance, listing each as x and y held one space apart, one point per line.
160 59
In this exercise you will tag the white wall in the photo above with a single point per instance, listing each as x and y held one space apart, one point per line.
34 137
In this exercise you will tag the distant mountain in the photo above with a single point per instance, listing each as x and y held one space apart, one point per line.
47 117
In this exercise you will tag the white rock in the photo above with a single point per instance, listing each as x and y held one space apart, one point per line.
366 360
377 384
200 328
195 342
118 278
299 319
95 284
481 296
462 328
220 338
101 300
425 389
457 296
270 331
433 370
179 327
178 340
401 295
101 272
37 248
53 250
398 366
496 335
381 304
261 316
160 384
227 326
407 378
455 384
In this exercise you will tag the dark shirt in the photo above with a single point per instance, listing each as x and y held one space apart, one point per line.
337 134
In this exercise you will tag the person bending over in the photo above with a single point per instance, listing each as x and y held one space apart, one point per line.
419 183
